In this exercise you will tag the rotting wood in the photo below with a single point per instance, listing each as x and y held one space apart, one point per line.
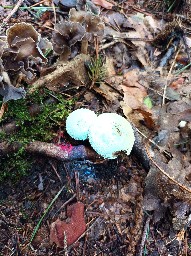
73 71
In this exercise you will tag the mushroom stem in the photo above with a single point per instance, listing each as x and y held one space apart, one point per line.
84 46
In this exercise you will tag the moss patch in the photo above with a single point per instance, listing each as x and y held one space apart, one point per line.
38 117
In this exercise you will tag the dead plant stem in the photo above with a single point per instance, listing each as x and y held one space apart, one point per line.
168 76
41 2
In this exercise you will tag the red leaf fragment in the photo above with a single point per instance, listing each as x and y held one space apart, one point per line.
72 230
178 83
149 122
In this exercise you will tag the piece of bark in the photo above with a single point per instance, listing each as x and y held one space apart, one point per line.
73 71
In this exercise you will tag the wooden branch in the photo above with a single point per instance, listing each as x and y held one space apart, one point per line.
60 152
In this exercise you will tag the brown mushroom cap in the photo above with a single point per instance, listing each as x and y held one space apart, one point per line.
20 32
92 23
66 34
23 45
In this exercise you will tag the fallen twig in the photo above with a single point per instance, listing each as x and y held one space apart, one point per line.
50 150
13 11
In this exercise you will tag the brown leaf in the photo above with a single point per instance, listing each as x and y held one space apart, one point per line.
147 119
142 26
69 231
178 83
103 3
134 92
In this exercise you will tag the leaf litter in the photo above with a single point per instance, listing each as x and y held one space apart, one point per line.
144 58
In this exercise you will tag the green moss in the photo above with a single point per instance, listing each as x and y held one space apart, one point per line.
53 110
13 167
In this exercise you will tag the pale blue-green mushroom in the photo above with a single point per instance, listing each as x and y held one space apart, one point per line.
111 133
78 123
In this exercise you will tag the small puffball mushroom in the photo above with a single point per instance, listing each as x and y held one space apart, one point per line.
110 134
182 124
78 123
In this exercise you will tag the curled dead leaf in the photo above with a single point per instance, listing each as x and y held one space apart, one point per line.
134 92
148 120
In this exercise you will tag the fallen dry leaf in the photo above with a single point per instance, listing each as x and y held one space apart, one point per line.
103 4
134 92
142 26
148 121
178 83
61 231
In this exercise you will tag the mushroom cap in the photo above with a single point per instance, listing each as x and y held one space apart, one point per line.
110 134
78 123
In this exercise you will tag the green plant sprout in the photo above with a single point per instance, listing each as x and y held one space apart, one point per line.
46 211
96 70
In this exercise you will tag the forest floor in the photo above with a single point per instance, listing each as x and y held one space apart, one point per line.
126 57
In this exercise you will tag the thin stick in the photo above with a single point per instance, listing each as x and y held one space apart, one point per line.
13 11
38 3
54 11
166 174
152 141
168 76
77 185
53 167
64 204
